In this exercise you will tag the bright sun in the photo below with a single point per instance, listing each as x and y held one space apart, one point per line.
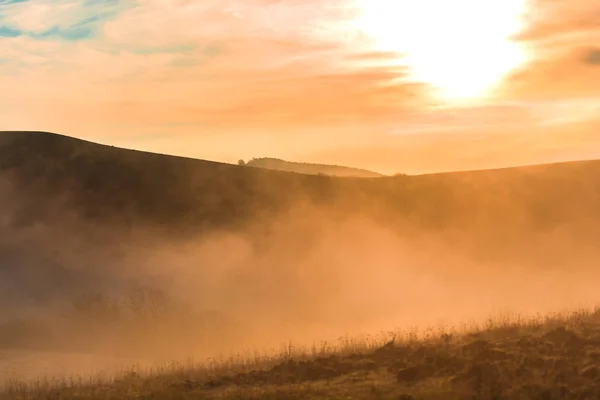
462 48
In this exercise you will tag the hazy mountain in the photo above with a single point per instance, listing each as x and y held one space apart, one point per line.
309 168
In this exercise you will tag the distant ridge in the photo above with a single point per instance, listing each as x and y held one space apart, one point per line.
311 169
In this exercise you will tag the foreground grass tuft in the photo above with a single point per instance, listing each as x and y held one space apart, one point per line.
552 357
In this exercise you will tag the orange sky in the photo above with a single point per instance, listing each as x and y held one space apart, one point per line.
336 81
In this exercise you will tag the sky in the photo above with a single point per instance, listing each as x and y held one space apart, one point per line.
389 85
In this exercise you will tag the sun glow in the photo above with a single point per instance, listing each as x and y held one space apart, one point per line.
461 48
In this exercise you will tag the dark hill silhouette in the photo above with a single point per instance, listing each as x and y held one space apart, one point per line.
311 169
131 187
127 187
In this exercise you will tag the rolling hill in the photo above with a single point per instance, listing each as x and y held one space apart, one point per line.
127 189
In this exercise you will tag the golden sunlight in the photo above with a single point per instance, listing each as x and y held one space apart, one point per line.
461 48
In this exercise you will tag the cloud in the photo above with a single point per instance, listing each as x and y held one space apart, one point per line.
351 97
251 100
56 19
593 57
561 36
549 20
563 75
160 24
9 32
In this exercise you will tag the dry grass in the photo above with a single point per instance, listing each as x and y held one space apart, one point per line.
544 357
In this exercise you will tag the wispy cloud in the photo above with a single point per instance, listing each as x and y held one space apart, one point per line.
592 57
562 35
60 19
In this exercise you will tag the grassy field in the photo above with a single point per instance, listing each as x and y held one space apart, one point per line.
551 357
